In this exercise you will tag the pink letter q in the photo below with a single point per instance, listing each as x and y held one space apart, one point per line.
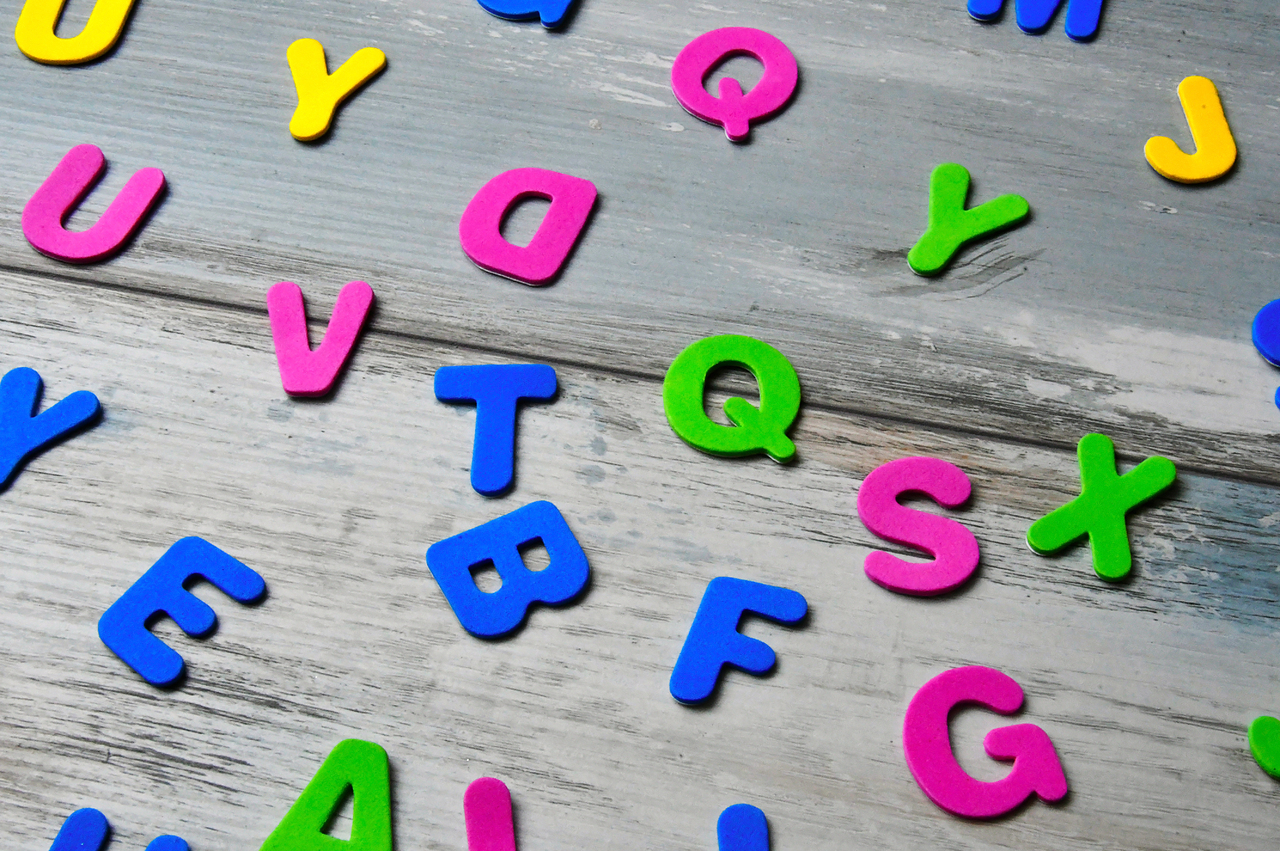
733 110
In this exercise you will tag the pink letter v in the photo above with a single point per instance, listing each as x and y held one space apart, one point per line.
302 371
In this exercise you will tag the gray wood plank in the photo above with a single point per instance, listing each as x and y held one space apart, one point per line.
1124 306
1146 688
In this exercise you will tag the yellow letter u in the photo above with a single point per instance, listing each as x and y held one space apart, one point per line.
39 19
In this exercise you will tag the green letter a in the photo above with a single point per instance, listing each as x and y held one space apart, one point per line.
356 765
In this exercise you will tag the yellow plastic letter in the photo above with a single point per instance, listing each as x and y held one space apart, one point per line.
320 92
38 21
1215 147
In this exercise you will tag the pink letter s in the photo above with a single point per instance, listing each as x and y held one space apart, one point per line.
951 544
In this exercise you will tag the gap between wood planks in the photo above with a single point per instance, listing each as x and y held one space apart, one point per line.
638 374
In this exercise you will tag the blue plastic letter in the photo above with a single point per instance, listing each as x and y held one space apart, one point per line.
22 432
714 640
495 388
86 830
552 12
1034 16
123 627
743 827
499 541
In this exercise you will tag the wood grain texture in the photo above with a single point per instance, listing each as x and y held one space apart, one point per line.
1146 687
1124 306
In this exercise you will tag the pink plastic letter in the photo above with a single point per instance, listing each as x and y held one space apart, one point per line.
951 544
538 262
733 110
302 371
71 180
927 742
486 806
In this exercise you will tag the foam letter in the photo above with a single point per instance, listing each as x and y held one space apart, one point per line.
714 640
302 371
733 110
742 827
499 542
24 433
951 226
755 430
123 627
486 806
953 547
927 742
1215 146
495 389
320 92
1034 16
36 35
71 180
86 830
552 12
1101 508
353 764
540 261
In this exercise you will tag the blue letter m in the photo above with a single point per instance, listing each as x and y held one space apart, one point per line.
1034 16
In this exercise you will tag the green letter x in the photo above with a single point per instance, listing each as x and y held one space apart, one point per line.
1099 511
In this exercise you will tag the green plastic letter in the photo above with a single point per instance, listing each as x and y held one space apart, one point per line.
762 429
1100 510
951 225
356 765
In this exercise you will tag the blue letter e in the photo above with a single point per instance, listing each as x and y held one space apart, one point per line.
498 542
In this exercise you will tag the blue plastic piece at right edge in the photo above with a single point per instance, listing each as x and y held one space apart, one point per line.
499 541
123 627
551 12
495 389
86 830
22 431
743 827
714 640
1034 16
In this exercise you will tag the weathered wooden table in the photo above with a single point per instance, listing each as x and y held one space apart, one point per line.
1123 307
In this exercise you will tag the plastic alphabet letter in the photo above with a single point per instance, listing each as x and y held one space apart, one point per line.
1266 335
1264 743
714 640
538 263
37 38
551 12
1215 146
123 627
953 546
1099 511
755 430
71 180
486 807
312 373
742 827
733 110
1034 16
495 389
499 541
951 226
86 830
320 92
23 432
927 742
353 764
